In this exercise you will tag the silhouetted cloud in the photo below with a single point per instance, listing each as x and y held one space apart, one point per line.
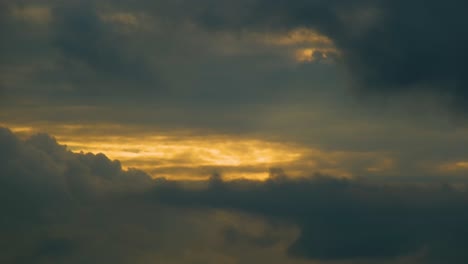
43 185
64 207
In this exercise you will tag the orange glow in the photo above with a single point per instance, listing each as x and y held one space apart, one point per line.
175 156
153 152
313 54
308 45
191 156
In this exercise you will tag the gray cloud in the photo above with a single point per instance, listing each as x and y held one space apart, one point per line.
343 220
67 52
388 46
85 40
43 186
84 55
64 207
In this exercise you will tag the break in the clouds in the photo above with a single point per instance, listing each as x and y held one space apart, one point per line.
282 71
65 207
270 71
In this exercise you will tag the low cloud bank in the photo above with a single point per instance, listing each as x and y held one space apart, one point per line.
347 219
64 207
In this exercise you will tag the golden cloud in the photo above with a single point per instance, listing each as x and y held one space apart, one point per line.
190 155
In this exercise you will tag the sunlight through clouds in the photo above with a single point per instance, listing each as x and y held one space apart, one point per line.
186 155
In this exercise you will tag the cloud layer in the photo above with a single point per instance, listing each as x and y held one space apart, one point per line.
388 46
343 220
130 48
64 207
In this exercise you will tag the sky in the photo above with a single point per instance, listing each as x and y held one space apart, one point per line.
249 131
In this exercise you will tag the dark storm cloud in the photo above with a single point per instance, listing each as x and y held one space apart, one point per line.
342 220
388 46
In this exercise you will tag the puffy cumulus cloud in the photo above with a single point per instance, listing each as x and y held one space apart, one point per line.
347 220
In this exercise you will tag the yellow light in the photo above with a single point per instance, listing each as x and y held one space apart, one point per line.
186 155
175 156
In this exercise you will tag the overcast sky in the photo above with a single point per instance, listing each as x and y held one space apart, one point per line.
219 96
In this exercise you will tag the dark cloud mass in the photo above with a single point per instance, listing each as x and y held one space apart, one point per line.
44 186
75 54
85 40
388 46
342 220
64 207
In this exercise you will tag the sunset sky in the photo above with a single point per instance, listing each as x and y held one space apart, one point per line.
248 131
